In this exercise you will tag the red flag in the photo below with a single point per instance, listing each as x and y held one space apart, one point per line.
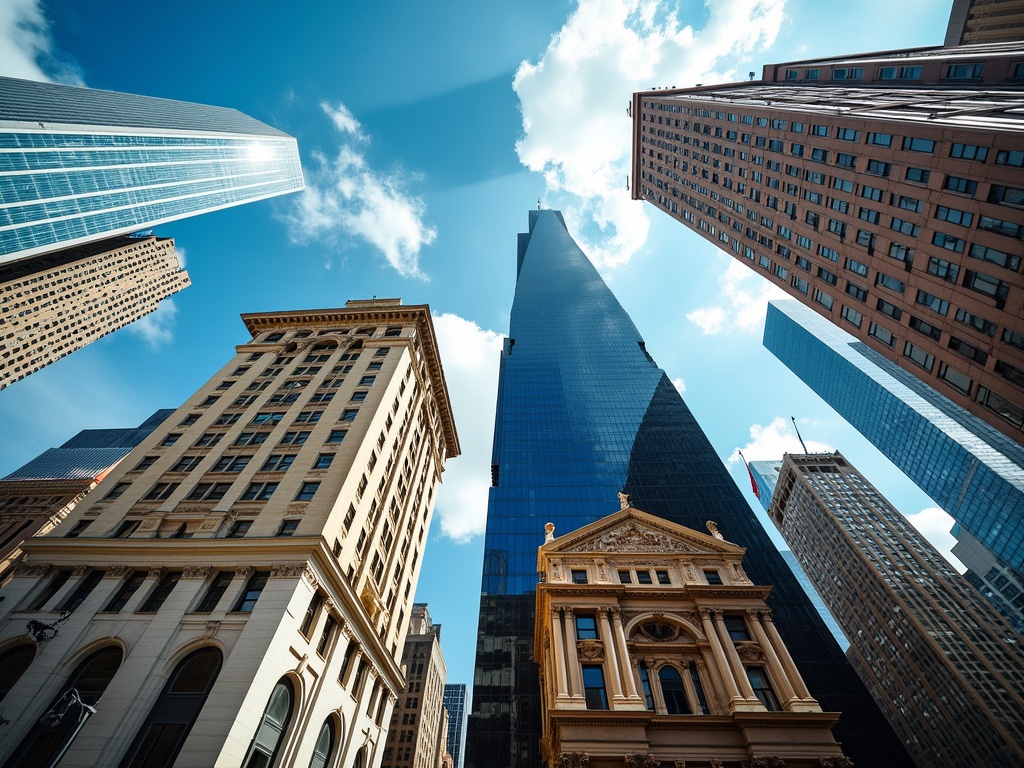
753 482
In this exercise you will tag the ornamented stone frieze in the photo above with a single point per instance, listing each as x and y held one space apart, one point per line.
31 569
632 538
197 572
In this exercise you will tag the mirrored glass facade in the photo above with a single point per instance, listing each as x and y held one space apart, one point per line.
972 471
584 412
78 164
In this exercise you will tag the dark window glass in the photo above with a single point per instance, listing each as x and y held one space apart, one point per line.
673 692
763 688
215 591
51 589
593 687
124 593
13 663
586 627
161 592
269 734
77 597
252 592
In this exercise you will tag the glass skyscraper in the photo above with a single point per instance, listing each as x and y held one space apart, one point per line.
972 471
78 164
584 412
455 703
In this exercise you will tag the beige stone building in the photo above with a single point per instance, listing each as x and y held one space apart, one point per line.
655 648
52 305
419 723
236 591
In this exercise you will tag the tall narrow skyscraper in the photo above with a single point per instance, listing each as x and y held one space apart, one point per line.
972 471
946 669
584 412
455 703
79 164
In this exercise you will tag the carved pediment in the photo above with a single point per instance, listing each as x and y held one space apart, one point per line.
634 538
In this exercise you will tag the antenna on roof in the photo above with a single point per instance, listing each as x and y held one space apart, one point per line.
793 419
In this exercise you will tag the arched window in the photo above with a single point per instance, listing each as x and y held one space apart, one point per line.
54 731
673 692
360 760
162 735
270 733
324 745
13 663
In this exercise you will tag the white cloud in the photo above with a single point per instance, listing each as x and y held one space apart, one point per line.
470 356
26 47
934 525
679 384
156 327
345 199
770 442
742 302
574 98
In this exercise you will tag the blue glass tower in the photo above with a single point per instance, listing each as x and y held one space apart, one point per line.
584 412
455 703
972 471
77 164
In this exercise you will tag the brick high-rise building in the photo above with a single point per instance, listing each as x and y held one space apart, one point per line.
237 591
55 304
883 190
418 734
947 670
82 164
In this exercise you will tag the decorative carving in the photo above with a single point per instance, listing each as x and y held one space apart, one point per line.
118 572
573 760
31 569
713 527
764 762
243 571
310 575
197 572
739 574
590 650
212 628
835 762
679 763
716 763
155 573
80 570
749 651
632 538
642 761
624 500
287 570
660 631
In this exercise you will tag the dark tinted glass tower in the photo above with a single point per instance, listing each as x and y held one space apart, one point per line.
584 412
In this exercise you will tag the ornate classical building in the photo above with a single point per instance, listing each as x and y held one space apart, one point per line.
419 725
237 591
655 648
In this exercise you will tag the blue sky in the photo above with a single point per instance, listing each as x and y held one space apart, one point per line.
427 130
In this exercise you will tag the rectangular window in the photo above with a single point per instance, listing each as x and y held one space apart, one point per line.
871 193
294 438
161 491
307 491
1002 407
349 414
880 139
712 576
960 185
887 281
857 267
625 577
251 594
1001 227
215 591
259 492
737 628
852 316
288 527
954 216
1009 337
969 152
323 461
819 155
663 577
161 592
278 462
124 593
968 71
918 175
845 160
977 323
949 242
905 227
879 168
823 299
643 577
231 464
593 687
800 285
988 285
956 379
856 292
968 350
586 626
758 678
925 328
915 144
847 134
919 356
337 435
1013 158
868 215
827 276
933 303
1011 373
82 591
882 333
947 270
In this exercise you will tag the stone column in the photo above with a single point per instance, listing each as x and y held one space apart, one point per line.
738 670
620 644
787 661
615 676
655 683
778 672
558 653
724 670
572 660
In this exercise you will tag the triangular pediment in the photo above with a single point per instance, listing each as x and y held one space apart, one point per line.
631 530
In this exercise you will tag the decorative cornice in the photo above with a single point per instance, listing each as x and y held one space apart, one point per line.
632 538
197 572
